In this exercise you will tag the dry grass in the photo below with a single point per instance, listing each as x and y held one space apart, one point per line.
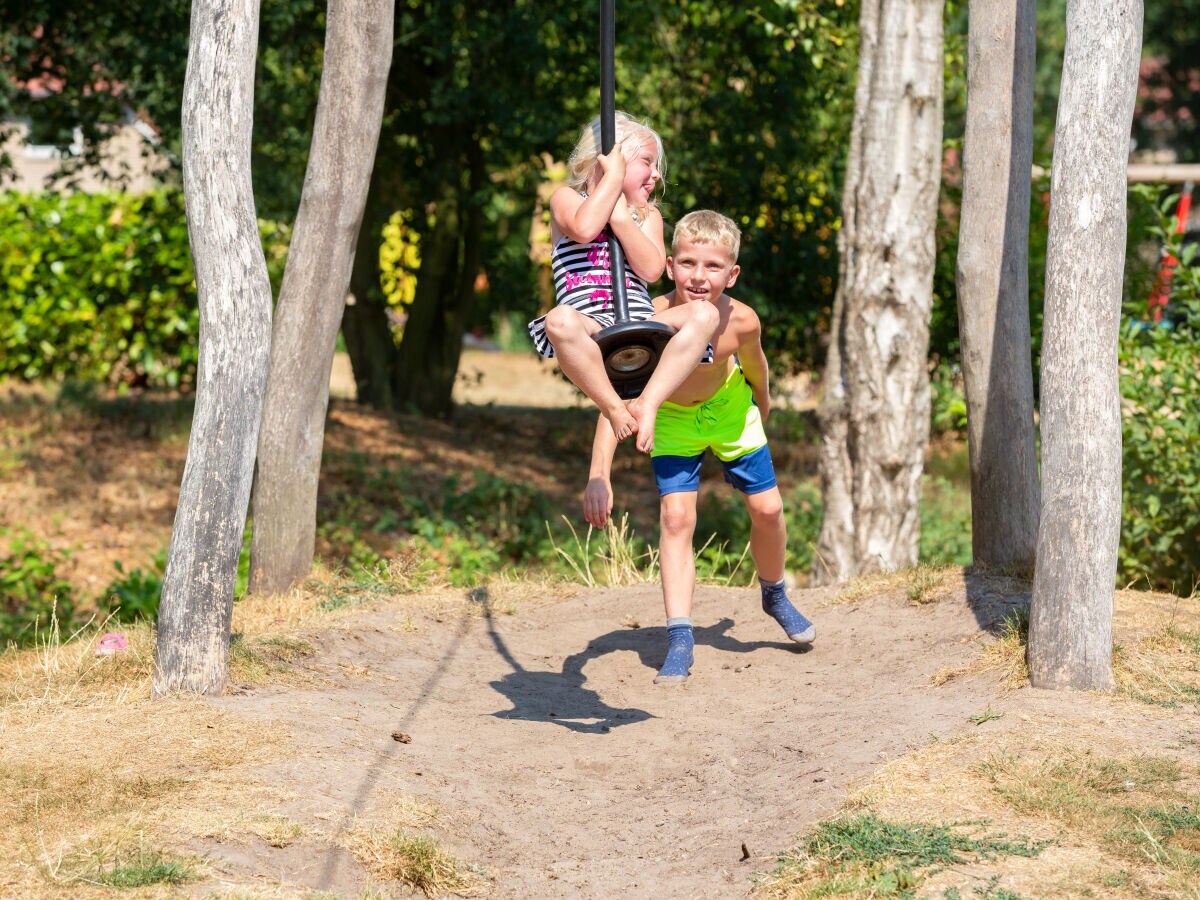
1005 655
1115 821
413 860
920 585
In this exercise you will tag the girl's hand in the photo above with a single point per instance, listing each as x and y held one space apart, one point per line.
612 164
621 211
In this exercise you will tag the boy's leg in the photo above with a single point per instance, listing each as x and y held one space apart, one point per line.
570 332
676 559
695 323
768 547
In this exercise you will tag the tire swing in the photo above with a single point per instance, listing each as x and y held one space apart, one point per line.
630 349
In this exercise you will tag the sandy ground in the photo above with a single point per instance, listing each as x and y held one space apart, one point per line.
559 767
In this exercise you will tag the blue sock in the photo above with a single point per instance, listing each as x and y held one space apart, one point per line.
776 604
680 644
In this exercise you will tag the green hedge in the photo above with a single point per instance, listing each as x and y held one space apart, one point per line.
100 288
1160 390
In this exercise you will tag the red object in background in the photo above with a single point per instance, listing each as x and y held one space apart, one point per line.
1166 271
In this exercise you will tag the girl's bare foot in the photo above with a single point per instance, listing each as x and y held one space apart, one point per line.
622 421
645 424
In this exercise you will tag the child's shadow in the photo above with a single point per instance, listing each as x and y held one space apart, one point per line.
561 698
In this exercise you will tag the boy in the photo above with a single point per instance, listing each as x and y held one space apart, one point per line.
721 406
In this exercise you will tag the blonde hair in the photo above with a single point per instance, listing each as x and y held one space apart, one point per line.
630 135
703 226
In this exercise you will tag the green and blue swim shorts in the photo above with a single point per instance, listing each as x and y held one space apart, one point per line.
728 423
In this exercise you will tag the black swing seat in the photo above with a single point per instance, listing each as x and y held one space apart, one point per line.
631 351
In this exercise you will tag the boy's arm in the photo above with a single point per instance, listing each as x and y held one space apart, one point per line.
754 364
597 496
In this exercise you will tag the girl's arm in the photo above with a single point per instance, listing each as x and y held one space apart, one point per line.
582 218
754 362
645 251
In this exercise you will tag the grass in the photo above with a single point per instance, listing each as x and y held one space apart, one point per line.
128 868
1138 808
413 860
864 855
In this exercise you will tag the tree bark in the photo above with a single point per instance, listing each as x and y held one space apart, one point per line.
875 418
358 53
235 337
1070 626
993 284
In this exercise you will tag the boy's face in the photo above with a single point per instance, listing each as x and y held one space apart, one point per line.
701 271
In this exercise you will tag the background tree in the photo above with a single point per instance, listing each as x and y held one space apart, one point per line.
875 410
358 52
1070 627
993 283
235 336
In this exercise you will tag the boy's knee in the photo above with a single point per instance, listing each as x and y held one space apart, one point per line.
677 520
767 509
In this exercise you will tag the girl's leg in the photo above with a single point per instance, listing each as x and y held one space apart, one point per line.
570 331
696 323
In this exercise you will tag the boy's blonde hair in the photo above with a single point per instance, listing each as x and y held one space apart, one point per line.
630 134
703 226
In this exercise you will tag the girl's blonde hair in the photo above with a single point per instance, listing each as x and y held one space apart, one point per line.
630 135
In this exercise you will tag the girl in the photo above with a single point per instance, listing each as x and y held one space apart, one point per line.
613 191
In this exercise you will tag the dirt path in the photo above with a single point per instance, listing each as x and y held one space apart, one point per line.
562 770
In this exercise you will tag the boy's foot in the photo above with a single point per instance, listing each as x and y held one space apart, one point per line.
678 664
776 604
645 425
622 421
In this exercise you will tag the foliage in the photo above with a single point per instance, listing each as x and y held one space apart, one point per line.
1160 388
100 287
32 591
399 260
134 595
865 855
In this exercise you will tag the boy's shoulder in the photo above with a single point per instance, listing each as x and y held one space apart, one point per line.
742 317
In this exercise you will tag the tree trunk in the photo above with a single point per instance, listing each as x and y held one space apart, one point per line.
1070 626
993 284
235 338
427 363
358 53
875 417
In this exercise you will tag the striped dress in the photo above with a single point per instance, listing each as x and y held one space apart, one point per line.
582 280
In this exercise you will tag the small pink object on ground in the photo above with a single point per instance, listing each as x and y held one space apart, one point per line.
113 642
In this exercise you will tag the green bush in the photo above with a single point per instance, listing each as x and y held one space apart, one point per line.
100 287
134 595
1160 390
31 590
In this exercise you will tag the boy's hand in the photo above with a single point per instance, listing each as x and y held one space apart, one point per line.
597 501
763 401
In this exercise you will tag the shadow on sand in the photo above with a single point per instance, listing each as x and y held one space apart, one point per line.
562 698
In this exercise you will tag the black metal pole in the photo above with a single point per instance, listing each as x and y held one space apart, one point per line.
608 137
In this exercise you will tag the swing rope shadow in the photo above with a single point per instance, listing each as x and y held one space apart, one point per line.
371 779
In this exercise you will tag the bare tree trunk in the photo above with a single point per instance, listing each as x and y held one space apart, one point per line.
358 53
993 284
424 370
235 339
876 432
1070 625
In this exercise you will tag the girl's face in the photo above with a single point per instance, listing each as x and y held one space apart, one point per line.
641 174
